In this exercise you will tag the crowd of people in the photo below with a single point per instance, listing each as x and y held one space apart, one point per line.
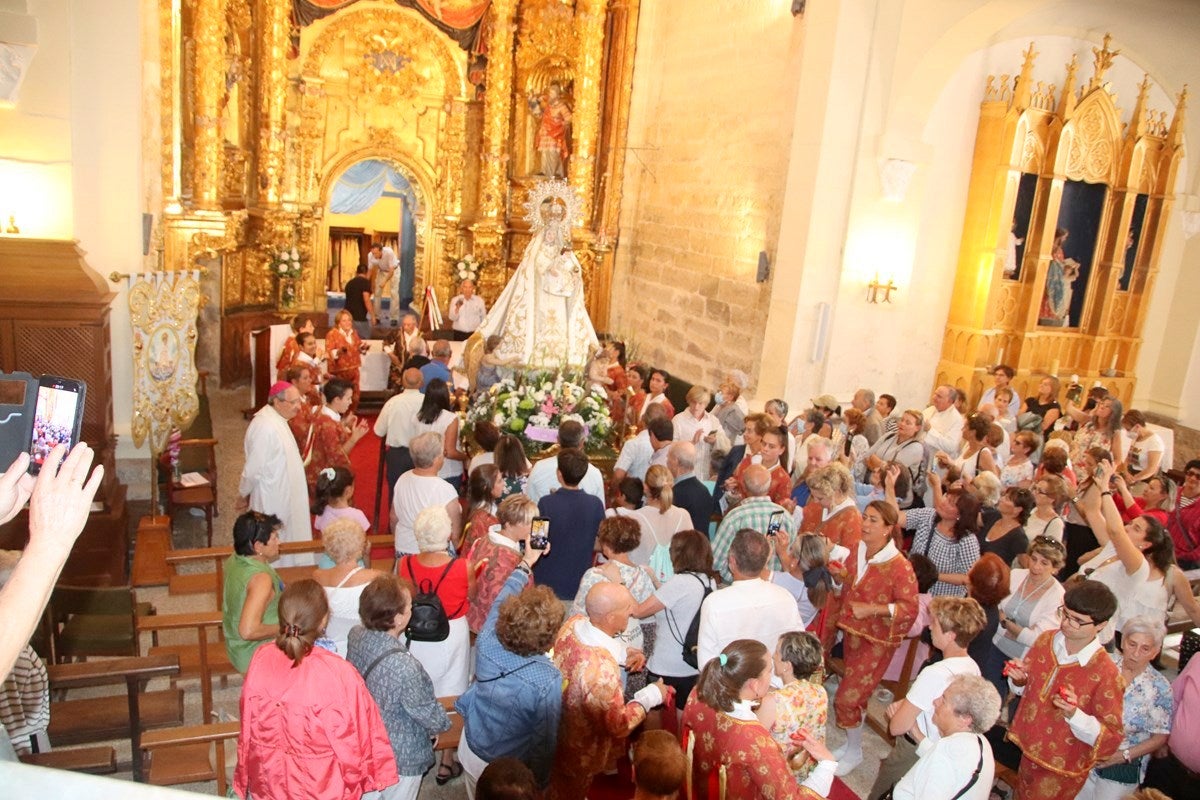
737 574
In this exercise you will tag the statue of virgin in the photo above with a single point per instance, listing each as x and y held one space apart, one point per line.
540 316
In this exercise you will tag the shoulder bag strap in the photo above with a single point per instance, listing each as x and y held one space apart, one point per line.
974 775
349 575
507 673
438 585
375 663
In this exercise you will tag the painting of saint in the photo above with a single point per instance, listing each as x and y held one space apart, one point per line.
164 354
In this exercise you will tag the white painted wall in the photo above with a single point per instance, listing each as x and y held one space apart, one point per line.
106 139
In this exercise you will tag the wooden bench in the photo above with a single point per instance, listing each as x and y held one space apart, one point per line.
211 582
92 760
97 718
185 755
204 659
448 740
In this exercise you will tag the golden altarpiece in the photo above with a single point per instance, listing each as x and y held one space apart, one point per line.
1066 212
265 103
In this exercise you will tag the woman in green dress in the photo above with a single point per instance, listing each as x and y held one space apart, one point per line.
252 587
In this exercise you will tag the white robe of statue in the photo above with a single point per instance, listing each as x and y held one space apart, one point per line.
541 316
274 480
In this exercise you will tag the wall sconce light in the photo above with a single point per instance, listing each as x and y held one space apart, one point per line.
874 288
12 226
798 7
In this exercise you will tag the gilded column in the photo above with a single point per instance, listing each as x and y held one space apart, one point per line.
497 113
169 61
272 87
589 72
207 28
488 233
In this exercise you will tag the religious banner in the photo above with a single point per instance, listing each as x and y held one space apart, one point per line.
162 313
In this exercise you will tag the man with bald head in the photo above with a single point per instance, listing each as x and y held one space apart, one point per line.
756 512
273 480
690 494
595 717
820 453
943 421
397 425
750 607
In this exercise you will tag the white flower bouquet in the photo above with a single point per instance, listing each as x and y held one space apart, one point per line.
533 405
467 268
287 264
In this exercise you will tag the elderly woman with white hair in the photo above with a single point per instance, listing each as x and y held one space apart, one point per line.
434 571
345 542
1147 713
959 764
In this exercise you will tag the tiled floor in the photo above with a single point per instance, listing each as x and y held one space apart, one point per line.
229 428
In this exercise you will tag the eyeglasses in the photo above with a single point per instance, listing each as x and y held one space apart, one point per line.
1191 473
1073 621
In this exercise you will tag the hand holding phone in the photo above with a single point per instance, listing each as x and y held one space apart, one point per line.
57 418
776 523
539 533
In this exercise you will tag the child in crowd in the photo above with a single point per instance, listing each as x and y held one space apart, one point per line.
492 366
335 490
801 704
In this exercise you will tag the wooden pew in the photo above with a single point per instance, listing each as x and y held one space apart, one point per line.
100 718
449 739
202 660
182 755
98 760
210 582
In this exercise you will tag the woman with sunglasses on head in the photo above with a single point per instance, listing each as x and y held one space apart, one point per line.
1030 609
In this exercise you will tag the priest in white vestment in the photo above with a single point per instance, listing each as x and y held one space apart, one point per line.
540 316
273 479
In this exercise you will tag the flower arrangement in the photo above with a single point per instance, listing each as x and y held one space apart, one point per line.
467 268
533 405
287 264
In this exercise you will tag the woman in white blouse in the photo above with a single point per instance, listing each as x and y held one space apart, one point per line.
1145 453
1030 609
699 427
662 520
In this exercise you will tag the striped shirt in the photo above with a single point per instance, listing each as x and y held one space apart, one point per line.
25 700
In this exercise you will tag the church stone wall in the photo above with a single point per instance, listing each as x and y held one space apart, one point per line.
709 135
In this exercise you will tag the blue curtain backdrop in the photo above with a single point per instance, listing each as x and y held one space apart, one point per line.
360 187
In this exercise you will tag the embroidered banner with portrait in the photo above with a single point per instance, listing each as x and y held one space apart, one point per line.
162 313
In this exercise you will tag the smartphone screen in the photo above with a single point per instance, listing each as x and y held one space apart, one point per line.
57 418
775 524
539 534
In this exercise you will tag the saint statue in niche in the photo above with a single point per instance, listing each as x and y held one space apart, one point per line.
1055 310
553 137
541 317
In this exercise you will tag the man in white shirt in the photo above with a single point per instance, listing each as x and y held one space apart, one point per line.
381 262
543 478
750 607
467 311
420 488
646 449
943 422
956 621
397 425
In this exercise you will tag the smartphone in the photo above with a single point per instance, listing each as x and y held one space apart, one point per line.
539 534
775 524
57 418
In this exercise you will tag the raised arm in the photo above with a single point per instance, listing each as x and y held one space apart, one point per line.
1107 523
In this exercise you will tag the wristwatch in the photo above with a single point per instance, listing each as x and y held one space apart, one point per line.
1125 754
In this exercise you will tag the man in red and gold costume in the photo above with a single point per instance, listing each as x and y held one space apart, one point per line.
1072 699
595 717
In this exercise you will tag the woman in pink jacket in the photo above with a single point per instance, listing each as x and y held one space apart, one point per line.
309 726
